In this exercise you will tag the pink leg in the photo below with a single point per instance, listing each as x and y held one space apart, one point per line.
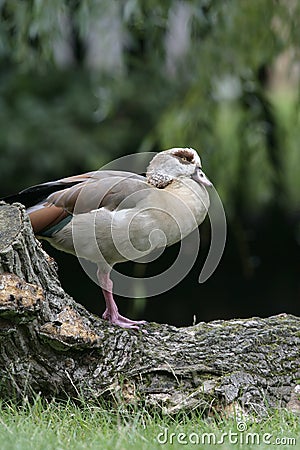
111 313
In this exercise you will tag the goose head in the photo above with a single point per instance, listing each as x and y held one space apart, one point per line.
173 164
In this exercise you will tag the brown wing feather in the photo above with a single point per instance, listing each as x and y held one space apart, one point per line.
97 189
46 217
103 189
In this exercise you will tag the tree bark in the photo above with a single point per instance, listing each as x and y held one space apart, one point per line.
51 345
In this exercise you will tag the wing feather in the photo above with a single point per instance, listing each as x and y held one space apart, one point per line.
49 203
104 189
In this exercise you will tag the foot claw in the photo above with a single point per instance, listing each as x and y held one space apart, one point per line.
122 321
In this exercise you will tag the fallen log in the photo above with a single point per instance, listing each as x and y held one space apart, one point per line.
53 346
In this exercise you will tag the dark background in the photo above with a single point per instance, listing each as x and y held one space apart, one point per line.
82 84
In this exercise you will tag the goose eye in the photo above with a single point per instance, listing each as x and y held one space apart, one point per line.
184 157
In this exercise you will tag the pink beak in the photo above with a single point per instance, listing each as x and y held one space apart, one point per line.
200 177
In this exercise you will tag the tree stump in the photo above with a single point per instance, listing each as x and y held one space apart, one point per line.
53 346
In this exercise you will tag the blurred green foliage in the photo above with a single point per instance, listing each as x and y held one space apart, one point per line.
82 82
85 81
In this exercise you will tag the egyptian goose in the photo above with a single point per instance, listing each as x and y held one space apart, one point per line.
109 217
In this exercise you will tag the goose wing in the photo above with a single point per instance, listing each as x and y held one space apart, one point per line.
50 203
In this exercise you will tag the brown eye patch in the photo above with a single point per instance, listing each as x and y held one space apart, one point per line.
184 156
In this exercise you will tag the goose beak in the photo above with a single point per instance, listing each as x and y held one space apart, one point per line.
200 177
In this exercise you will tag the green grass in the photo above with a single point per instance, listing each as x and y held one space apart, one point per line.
66 425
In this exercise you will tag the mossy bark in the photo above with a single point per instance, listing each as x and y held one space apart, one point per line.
51 345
